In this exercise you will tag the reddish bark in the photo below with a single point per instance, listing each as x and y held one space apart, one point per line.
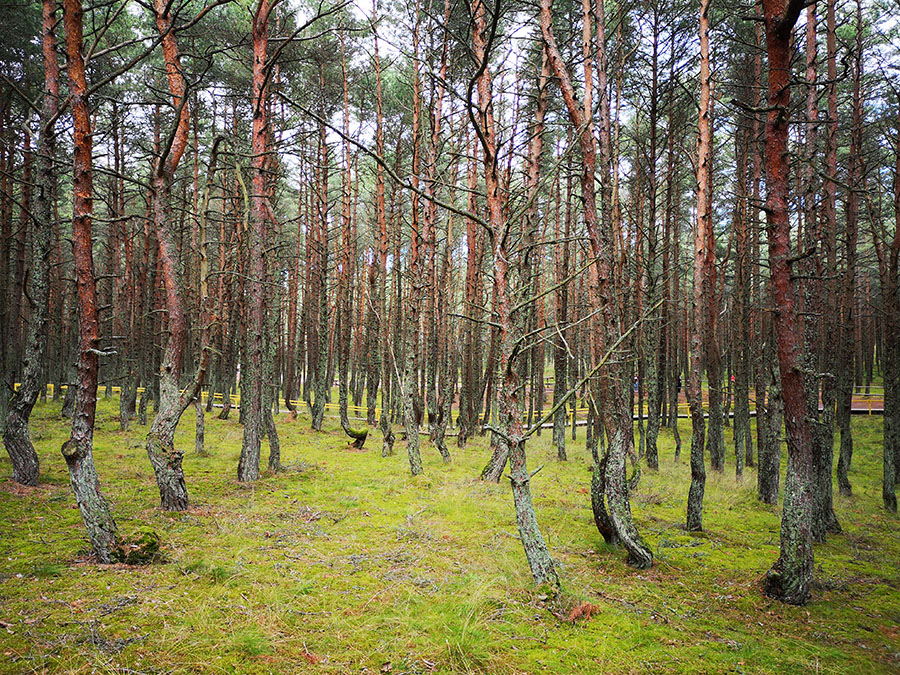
512 440
78 450
165 458
613 390
790 578
378 322
410 388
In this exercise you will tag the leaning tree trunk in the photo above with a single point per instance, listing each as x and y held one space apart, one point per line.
543 570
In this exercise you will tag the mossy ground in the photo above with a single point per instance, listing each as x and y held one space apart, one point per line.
344 564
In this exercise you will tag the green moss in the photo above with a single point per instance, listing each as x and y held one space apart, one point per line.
140 550
343 563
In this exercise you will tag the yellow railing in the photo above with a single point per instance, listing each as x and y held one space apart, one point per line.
361 412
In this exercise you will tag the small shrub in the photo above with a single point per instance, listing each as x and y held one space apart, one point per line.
219 573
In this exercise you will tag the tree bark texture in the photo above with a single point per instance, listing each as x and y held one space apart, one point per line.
78 450
790 578
16 436
612 392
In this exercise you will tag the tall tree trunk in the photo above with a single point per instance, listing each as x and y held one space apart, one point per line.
318 349
345 276
543 570
743 440
653 361
824 519
561 345
613 397
704 267
888 251
471 389
78 450
416 290
16 437
848 290
790 578
252 386
164 456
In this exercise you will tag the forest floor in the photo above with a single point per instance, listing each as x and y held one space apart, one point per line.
342 563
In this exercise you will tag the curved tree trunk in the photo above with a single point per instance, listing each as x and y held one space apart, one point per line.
613 401
165 458
510 431
16 437
78 450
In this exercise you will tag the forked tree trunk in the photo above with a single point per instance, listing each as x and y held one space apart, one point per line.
511 433
824 519
164 456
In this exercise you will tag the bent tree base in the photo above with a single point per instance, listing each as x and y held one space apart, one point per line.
358 435
494 468
95 513
598 504
166 461
788 586
25 467
387 432
616 491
